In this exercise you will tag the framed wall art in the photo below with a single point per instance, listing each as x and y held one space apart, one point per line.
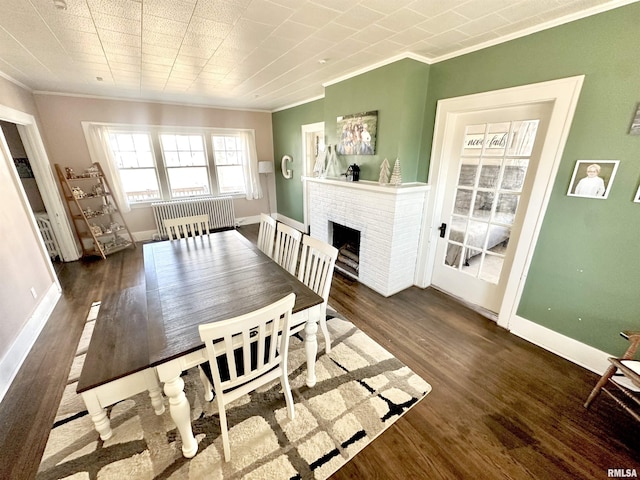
357 133
593 178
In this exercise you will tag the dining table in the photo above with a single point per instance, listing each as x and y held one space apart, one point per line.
153 334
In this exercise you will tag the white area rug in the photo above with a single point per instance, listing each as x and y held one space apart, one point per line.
362 389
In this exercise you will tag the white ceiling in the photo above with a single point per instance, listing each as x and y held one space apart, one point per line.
257 54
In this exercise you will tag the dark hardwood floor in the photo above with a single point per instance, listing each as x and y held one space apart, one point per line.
500 406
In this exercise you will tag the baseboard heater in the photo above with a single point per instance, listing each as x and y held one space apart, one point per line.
219 209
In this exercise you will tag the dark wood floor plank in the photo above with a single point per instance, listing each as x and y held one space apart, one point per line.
500 406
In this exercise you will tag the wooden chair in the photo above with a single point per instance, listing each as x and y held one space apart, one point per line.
628 368
317 262
184 227
267 234
247 352
287 247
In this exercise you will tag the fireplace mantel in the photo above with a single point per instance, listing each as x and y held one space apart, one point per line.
389 219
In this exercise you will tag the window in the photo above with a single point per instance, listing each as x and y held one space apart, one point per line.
156 164
185 159
134 158
230 156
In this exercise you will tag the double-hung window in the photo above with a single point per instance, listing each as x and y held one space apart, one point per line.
134 158
185 161
156 163
230 155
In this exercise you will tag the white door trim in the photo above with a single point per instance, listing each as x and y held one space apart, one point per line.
308 128
564 95
47 184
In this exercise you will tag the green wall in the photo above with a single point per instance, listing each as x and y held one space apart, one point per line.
398 92
584 278
287 140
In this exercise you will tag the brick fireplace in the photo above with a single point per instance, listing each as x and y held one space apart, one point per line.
388 219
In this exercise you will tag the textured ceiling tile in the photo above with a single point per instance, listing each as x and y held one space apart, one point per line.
267 12
220 11
204 50
154 68
314 15
334 32
358 17
372 34
401 19
385 6
104 21
244 52
430 8
180 11
444 22
118 38
130 9
479 27
152 23
204 26
122 58
157 39
294 31
157 59
448 37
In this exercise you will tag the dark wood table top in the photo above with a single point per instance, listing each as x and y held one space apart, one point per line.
188 282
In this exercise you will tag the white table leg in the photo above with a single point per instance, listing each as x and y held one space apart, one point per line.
181 414
155 392
311 346
208 388
98 414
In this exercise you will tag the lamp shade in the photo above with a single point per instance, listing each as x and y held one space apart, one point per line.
265 167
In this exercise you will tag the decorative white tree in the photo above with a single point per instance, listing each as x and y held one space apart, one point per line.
396 176
384 172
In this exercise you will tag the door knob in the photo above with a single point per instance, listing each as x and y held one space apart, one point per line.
443 230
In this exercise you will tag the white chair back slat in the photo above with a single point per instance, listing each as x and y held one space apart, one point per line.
184 227
267 234
287 247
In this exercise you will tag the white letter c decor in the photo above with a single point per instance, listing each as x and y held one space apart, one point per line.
286 173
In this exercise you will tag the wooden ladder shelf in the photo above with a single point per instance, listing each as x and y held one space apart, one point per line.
97 220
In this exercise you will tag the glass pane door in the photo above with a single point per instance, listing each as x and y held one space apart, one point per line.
492 167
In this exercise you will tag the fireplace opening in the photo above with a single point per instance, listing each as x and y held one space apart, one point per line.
347 241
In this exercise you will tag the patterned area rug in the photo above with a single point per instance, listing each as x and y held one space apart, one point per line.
362 389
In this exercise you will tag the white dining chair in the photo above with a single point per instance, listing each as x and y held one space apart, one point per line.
267 234
317 262
184 227
287 247
247 352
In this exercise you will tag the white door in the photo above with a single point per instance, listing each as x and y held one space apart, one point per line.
493 156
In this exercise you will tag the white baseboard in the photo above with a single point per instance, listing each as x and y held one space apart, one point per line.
15 356
247 220
566 347
144 235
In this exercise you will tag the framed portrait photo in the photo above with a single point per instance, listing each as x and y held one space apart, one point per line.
593 178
